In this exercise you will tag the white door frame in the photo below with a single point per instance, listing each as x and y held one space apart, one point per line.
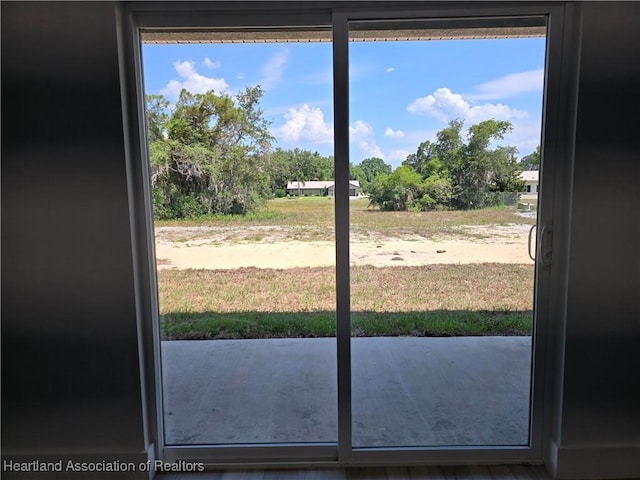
162 16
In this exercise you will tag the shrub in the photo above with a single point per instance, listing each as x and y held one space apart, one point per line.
187 206
438 192
161 210
177 205
281 193
426 202
398 191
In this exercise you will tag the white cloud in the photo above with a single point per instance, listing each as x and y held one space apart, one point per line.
415 137
370 149
390 69
398 156
445 105
211 64
360 130
240 75
390 132
305 123
185 69
172 89
192 81
273 69
510 85
525 135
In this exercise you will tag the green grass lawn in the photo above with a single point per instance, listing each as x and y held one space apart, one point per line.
433 300
312 218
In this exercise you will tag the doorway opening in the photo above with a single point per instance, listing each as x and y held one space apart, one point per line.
288 333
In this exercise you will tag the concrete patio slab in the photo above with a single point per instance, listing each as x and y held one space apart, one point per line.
407 391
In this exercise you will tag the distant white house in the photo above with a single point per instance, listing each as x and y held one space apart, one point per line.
320 187
531 181
354 189
311 187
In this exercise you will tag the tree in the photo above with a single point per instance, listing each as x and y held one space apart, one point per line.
437 192
470 164
398 191
299 165
505 171
368 169
210 155
424 160
157 107
301 169
279 170
356 173
531 161
449 144
463 173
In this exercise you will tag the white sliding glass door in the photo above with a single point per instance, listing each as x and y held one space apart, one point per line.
369 281
441 281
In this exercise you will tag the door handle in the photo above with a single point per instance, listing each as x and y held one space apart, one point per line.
544 247
543 252
533 227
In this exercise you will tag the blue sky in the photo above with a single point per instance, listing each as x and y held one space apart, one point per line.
401 93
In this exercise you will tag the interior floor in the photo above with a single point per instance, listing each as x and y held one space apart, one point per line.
493 472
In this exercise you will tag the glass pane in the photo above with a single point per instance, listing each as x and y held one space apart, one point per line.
240 144
445 125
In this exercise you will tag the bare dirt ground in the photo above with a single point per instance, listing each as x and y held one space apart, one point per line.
272 247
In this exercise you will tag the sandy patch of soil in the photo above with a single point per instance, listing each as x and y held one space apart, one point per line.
264 247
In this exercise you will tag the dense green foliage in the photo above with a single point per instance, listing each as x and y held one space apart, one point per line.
367 170
298 165
453 172
400 190
211 154
531 161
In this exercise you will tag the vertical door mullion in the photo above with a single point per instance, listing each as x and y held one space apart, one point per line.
343 301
